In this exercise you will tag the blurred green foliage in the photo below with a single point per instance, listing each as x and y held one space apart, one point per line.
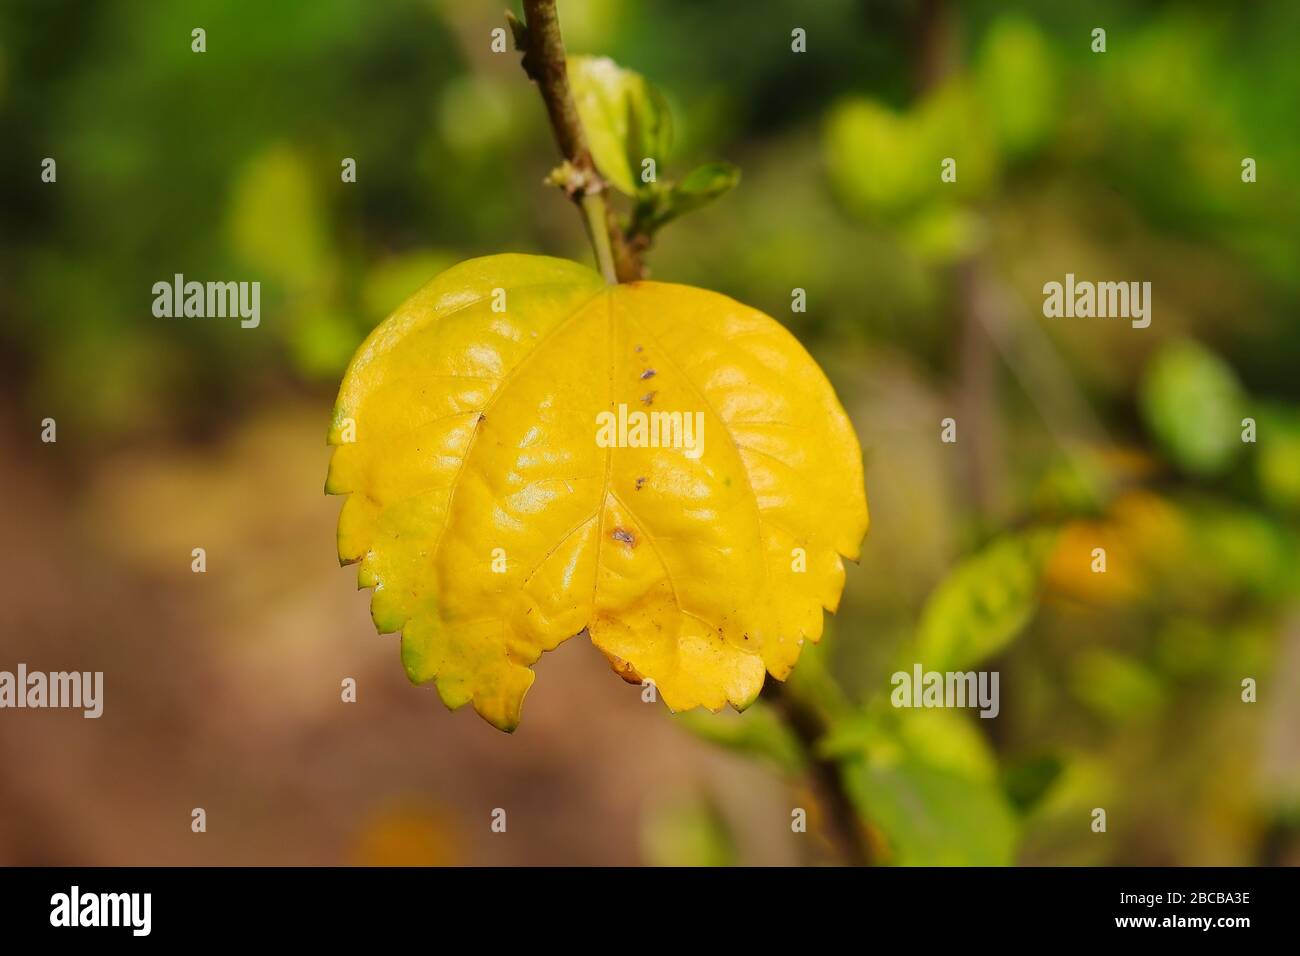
983 604
759 732
927 780
1193 404
688 830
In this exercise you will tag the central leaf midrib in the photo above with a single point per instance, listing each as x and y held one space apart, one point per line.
601 509
740 459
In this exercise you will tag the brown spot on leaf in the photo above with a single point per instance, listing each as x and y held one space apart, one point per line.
648 398
618 534
648 373
639 483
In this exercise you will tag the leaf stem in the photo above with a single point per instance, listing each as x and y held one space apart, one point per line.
545 63
593 210
619 260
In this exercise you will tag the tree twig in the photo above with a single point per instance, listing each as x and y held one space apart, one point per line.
809 725
545 63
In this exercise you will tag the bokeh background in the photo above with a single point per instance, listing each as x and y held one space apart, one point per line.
1119 690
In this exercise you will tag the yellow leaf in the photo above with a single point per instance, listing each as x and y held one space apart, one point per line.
493 525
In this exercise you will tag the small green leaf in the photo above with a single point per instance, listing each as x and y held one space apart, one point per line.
700 187
706 183
934 817
626 120
927 780
983 604
1191 400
